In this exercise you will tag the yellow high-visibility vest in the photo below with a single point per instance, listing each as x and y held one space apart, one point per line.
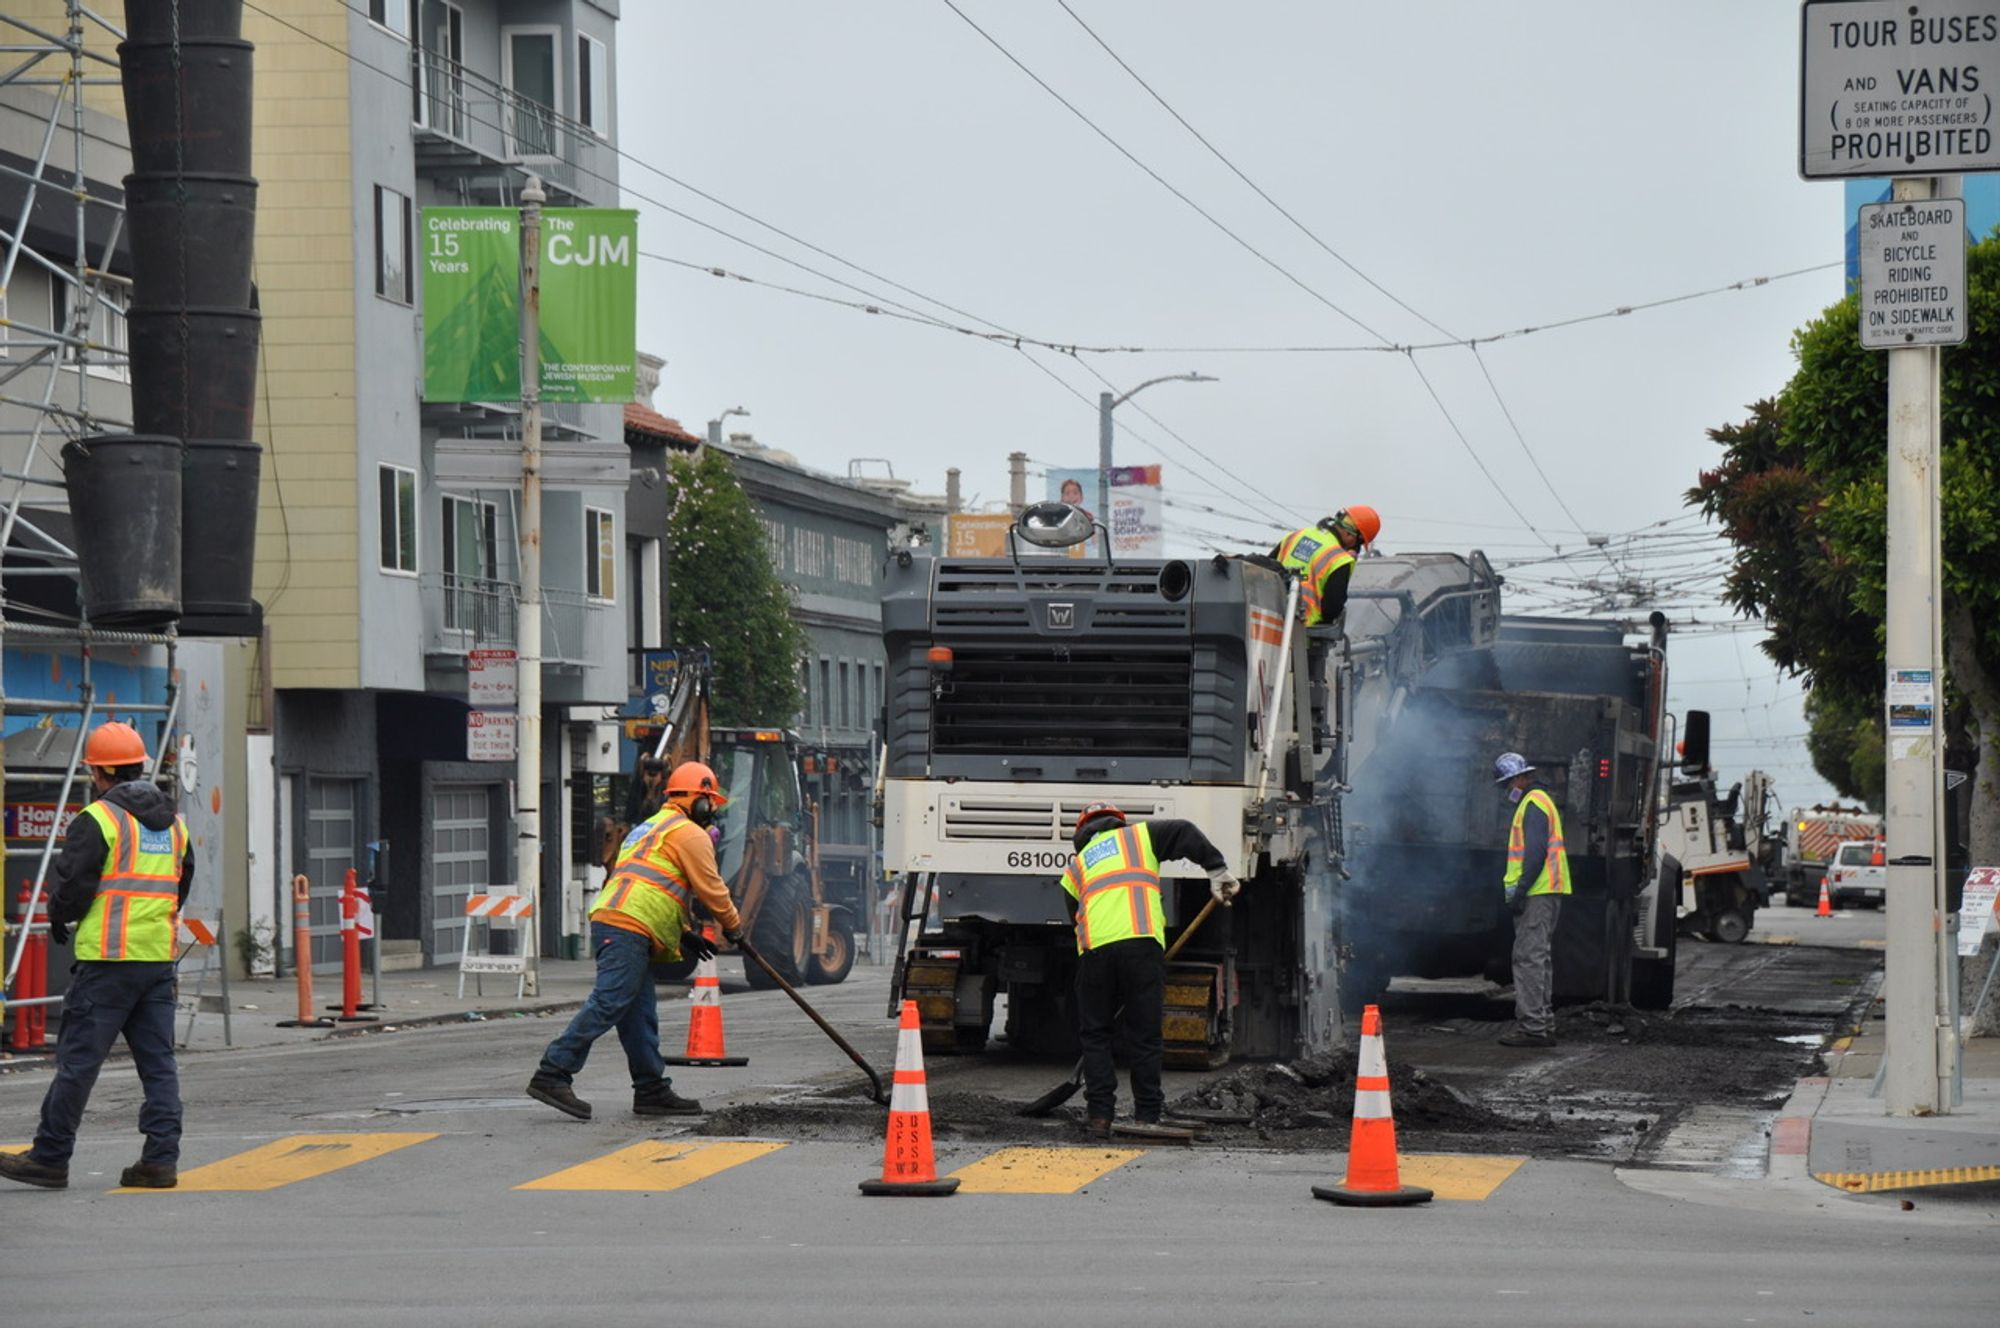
138 892
1115 879
646 885
1314 555
1552 876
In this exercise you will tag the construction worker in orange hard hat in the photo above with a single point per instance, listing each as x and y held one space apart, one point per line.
123 873
1322 558
643 914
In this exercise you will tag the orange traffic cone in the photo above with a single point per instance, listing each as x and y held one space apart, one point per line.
1372 1180
1825 901
908 1165
705 1046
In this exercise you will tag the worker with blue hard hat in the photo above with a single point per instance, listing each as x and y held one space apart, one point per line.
1537 879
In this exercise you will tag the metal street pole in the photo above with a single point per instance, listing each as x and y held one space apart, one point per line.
528 726
1918 1052
1106 403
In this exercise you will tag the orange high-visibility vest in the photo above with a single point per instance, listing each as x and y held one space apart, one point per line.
646 885
1115 879
1552 876
138 892
1314 555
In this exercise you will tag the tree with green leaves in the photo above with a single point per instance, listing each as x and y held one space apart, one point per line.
1801 493
725 594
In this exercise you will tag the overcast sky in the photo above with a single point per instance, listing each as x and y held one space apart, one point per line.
1489 166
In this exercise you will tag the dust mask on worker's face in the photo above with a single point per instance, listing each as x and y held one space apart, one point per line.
1515 794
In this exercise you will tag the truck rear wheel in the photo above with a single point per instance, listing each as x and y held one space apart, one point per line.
1730 926
839 960
782 933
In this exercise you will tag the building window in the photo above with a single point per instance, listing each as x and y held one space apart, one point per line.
642 591
845 682
600 554
392 14
825 693
470 567
805 693
593 86
109 346
534 88
398 492
393 237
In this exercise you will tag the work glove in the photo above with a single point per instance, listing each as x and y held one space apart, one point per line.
734 935
59 932
1517 902
1223 886
696 946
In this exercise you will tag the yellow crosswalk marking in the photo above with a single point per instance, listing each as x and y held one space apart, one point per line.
1455 1177
286 1161
653 1166
1041 1170
15 1148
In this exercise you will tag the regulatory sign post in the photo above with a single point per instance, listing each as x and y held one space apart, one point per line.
1891 87
1913 274
1904 88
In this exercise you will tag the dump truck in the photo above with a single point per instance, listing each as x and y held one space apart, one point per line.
1426 825
768 845
1024 687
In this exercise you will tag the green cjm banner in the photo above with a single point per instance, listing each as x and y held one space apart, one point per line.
472 303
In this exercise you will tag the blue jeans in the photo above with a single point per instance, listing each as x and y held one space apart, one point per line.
623 999
103 1001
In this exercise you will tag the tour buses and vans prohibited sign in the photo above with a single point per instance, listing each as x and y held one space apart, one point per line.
472 304
1898 88
1913 274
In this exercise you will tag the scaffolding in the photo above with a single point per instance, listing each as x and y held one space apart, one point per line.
63 371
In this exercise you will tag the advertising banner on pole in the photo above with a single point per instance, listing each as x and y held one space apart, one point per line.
472 304
1137 527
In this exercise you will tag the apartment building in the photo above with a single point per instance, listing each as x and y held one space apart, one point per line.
388 532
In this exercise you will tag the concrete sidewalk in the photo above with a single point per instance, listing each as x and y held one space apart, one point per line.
1851 1143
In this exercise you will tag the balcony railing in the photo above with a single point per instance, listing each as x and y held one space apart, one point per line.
465 612
492 125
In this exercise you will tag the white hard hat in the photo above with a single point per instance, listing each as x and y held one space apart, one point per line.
1508 765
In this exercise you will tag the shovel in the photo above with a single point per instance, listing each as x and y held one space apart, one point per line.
1067 1089
875 1080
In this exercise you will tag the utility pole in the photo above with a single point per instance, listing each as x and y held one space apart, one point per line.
1920 1050
952 500
528 726
1017 481
1105 404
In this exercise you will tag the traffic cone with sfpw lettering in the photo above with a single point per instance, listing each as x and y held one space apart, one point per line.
1372 1178
909 1167
1825 909
705 1044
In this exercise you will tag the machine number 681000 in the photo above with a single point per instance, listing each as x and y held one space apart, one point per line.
1044 859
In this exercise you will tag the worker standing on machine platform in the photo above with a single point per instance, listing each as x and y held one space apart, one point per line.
124 871
1113 884
1536 881
1322 557
640 915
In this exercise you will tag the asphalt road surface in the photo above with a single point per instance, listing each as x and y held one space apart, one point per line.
403 1178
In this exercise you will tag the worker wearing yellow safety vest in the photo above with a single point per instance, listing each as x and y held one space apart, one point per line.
1536 881
124 871
643 913
1322 558
1113 889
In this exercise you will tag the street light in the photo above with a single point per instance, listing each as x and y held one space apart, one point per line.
715 425
1106 403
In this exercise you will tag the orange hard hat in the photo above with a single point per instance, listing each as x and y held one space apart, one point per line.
113 744
1365 520
692 778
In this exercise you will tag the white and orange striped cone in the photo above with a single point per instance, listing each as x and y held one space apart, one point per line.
705 1043
1825 909
1372 1179
909 1167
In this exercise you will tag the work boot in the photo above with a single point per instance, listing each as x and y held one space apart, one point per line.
21 1167
661 1100
1098 1127
1521 1037
558 1095
149 1176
